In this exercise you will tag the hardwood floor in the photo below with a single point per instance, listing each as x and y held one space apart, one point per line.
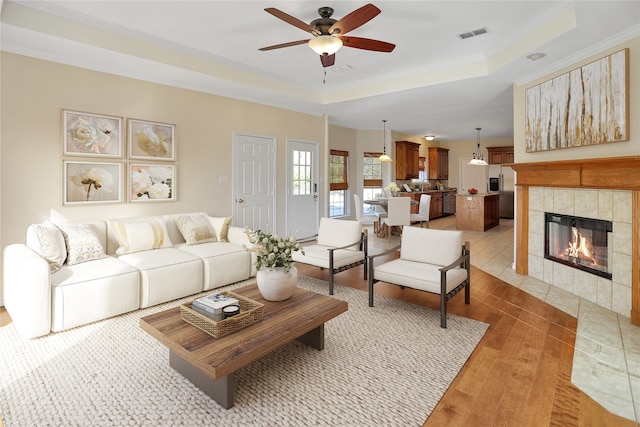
520 372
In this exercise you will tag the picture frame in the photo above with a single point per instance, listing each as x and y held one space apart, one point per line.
87 182
151 140
152 182
586 106
91 135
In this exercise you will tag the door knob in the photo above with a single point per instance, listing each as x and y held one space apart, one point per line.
240 201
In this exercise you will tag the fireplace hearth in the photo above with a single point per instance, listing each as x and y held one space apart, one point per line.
582 243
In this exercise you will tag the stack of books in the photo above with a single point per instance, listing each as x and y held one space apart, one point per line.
212 305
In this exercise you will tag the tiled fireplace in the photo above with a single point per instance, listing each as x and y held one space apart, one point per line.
604 206
606 189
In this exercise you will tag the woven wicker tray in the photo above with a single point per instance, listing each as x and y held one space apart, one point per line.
250 312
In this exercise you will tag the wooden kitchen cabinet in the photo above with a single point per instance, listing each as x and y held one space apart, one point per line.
438 163
407 159
500 155
435 209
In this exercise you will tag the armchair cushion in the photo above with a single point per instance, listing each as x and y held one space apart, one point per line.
318 255
416 275
337 232
438 247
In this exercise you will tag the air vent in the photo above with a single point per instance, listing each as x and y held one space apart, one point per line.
473 33
342 68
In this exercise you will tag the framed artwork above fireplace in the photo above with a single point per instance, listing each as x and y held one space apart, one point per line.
586 106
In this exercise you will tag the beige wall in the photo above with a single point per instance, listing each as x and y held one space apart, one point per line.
614 149
464 150
35 91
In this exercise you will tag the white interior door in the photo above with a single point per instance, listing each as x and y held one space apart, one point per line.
302 188
254 181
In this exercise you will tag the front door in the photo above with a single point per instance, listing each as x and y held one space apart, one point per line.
302 188
254 190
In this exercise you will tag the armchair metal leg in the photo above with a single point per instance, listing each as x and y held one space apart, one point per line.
371 282
443 311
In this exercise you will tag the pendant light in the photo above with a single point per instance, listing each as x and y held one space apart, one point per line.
478 157
384 157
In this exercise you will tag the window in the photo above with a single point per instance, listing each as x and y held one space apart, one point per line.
301 172
372 185
338 182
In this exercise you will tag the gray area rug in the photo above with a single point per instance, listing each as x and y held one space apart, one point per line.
388 365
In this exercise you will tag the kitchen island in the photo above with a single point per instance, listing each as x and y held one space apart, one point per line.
477 212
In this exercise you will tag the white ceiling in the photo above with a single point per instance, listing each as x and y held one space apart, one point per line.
432 83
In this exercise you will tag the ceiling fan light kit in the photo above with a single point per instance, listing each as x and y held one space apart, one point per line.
325 45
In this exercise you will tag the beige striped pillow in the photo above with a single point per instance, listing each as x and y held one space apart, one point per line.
140 236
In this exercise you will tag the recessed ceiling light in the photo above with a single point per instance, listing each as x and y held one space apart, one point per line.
536 56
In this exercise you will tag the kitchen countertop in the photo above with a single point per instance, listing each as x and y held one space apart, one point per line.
480 195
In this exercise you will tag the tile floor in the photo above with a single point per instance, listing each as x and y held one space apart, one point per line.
606 362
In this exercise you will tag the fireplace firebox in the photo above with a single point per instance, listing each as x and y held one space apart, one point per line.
582 243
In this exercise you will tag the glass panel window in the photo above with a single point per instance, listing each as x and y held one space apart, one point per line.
337 205
372 170
301 172
370 193
338 170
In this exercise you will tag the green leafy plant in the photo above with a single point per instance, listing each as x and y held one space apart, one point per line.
271 250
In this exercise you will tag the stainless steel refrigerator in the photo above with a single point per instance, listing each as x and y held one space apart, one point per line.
502 180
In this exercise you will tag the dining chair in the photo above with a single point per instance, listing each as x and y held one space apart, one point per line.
423 211
365 219
398 214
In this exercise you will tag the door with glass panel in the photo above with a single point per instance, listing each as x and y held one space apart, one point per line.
302 188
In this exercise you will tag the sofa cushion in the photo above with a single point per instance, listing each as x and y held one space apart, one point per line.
166 274
91 291
438 247
48 242
136 236
338 232
82 243
224 263
221 226
196 229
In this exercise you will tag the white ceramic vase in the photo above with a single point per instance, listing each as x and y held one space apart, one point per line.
275 284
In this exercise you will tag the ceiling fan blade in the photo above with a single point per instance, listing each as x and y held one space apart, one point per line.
292 20
328 60
367 44
278 46
355 19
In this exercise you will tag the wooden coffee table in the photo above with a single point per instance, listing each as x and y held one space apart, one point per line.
210 362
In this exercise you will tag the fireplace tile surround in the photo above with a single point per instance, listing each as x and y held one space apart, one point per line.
610 205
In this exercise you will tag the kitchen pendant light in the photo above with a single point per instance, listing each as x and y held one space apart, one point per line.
384 157
478 157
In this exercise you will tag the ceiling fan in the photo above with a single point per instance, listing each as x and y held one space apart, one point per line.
329 34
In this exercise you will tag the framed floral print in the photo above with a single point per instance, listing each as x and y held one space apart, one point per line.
151 140
87 134
91 182
152 182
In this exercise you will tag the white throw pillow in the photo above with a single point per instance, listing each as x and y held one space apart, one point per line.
48 242
221 227
141 236
196 229
82 243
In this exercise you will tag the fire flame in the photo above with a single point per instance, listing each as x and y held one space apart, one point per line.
580 247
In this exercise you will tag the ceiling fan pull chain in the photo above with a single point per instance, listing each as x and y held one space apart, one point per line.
324 79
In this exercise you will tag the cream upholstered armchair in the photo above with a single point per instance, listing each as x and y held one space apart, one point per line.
341 245
430 260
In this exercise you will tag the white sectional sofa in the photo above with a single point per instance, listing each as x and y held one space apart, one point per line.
71 274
